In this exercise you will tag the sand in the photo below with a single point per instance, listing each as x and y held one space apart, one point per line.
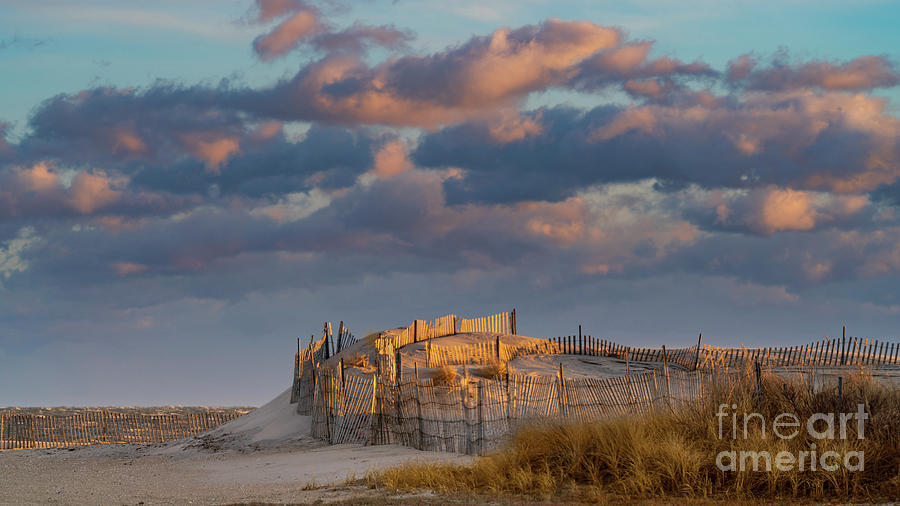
266 455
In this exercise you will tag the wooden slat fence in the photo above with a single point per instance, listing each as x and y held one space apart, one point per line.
28 430
473 415
852 351
306 362
597 347
485 353
421 330
500 323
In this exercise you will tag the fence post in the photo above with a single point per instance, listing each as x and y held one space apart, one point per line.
497 343
627 366
697 358
415 331
466 415
325 404
480 403
840 392
2 423
325 331
562 391
666 374
843 344
513 321
340 336
580 342
419 412
756 369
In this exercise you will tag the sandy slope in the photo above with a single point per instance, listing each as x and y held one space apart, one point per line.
265 455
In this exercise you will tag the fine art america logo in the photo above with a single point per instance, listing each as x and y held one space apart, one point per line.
820 426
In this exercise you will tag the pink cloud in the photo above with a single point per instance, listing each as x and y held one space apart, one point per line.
466 81
126 140
392 159
509 126
213 148
286 36
267 10
770 210
91 191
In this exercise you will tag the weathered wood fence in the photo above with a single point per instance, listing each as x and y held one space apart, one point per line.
485 353
855 351
475 415
29 430
471 415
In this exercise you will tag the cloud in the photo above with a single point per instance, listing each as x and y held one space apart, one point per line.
213 149
629 65
358 37
303 22
208 190
268 10
40 190
11 252
392 159
483 73
769 210
802 140
859 74
286 36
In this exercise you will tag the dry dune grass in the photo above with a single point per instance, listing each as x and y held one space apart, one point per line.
672 453
359 360
444 375
493 370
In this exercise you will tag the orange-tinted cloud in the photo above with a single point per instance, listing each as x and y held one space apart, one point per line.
267 10
286 36
392 159
213 149
125 140
91 191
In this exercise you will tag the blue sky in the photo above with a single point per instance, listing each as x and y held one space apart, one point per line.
185 188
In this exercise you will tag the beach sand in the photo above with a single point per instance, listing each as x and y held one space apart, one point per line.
264 456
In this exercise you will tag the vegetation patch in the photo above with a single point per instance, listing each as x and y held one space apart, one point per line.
675 453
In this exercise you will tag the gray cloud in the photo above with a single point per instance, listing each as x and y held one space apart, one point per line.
779 73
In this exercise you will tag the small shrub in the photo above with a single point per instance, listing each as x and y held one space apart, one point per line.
444 375
493 370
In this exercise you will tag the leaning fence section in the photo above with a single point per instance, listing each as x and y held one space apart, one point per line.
83 427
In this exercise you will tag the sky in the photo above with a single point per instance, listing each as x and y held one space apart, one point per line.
188 187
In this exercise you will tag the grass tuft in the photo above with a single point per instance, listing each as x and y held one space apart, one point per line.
444 375
493 370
